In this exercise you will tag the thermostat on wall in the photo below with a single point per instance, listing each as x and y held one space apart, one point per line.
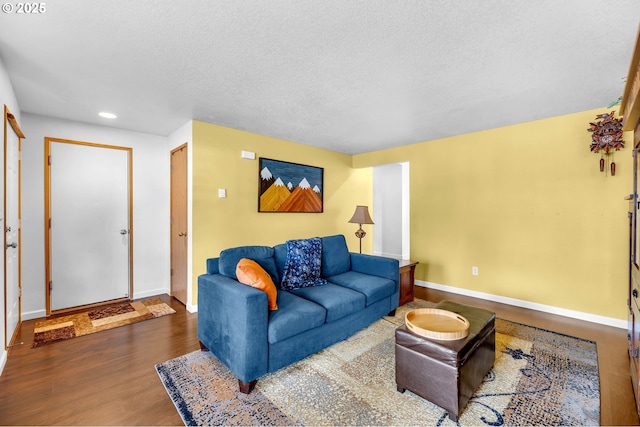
248 155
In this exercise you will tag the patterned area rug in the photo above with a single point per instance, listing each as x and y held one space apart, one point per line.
539 378
97 319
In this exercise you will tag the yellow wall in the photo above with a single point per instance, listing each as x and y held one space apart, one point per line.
220 223
529 206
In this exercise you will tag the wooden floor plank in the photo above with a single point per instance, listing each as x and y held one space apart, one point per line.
616 393
108 378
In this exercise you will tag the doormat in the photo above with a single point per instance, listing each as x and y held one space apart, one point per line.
539 378
97 319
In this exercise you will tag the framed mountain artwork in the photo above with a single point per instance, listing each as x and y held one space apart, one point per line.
289 187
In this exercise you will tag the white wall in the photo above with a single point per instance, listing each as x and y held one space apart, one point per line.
8 98
151 165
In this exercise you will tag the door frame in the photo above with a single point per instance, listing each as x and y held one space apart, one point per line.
47 220
11 119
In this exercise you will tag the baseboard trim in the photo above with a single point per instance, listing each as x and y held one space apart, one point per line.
589 317
3 360
35 314
192 308
151 293
386 255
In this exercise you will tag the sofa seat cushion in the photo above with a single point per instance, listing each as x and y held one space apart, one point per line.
337 300
294 316
374 288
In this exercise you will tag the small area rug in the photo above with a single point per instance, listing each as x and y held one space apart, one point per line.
539 378
97 319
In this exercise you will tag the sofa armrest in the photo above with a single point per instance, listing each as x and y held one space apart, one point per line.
213 266
232 323
388 268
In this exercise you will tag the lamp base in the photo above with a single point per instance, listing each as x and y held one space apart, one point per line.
360 234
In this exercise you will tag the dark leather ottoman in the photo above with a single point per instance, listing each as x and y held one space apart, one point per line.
447 373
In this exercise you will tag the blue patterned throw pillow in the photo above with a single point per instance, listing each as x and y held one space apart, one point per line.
302 267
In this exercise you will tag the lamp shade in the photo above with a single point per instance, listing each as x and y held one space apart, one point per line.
361 216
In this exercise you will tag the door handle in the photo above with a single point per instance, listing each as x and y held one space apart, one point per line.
12 245
182 233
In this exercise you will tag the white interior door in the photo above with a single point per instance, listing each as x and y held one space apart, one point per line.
11 225
89 246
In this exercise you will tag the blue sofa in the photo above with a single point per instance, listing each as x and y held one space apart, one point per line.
234 322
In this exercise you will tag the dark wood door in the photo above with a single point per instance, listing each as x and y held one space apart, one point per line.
179 238
634 276
630 111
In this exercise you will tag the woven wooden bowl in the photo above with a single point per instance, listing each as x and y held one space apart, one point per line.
437 324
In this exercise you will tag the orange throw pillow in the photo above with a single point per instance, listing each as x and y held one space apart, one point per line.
250 273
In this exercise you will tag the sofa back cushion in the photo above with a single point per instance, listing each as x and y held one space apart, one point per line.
280 255
335 255
263 255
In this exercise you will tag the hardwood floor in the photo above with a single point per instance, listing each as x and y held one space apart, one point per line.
616 392
108 378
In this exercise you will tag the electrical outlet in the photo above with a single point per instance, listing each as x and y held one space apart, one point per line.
474 271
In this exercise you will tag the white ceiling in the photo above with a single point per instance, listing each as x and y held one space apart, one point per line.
350 76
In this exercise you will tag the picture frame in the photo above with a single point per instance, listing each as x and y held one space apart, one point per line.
289 187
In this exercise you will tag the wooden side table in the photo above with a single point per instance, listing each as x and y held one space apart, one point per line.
407 277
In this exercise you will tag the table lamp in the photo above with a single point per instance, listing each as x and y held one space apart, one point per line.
361 216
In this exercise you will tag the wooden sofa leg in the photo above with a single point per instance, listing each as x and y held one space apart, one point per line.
246 387
203 347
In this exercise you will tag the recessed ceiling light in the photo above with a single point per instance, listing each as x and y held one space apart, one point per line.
107 115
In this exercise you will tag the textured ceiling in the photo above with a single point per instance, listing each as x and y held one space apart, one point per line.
350 76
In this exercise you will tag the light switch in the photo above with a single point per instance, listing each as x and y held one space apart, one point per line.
222 193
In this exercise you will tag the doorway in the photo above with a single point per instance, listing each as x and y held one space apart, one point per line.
391 210
88 217
179 225
11 224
